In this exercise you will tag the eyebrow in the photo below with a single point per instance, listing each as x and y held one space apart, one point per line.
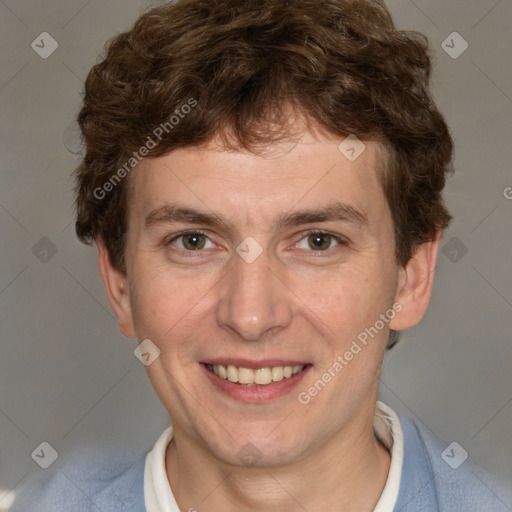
336 212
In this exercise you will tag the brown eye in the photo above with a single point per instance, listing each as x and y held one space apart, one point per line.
319 241
192 241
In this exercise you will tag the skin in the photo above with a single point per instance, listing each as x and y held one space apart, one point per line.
292 302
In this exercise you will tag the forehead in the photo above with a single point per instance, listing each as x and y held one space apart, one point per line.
258 188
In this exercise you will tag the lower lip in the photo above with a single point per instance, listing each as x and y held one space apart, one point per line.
255 393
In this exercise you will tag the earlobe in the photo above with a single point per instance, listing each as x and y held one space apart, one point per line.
415 285
118 293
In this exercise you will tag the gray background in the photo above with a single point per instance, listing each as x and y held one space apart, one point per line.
69 378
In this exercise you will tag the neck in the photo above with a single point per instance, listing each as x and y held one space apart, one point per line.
349 473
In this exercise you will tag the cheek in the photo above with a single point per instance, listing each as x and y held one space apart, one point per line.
344 300
166 304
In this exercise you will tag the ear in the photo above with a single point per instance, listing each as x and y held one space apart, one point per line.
118 293
415 285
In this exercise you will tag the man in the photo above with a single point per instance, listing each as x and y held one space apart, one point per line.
263 180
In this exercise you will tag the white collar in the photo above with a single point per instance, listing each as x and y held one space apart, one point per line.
158 495
389 431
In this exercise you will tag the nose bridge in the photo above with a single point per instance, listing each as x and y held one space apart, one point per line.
253 300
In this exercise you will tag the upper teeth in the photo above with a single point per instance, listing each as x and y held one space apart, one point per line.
260 376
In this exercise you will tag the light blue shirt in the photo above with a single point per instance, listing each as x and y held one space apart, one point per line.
429 483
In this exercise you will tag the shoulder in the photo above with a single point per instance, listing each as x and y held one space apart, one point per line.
440 474
86 482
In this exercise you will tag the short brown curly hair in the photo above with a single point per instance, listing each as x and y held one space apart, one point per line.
341 63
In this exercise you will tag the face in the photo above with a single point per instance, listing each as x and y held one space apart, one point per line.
251 267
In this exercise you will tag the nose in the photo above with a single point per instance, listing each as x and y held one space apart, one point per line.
254 300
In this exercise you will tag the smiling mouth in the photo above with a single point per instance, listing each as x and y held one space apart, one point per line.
248 376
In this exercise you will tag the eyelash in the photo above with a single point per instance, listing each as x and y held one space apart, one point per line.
340 240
